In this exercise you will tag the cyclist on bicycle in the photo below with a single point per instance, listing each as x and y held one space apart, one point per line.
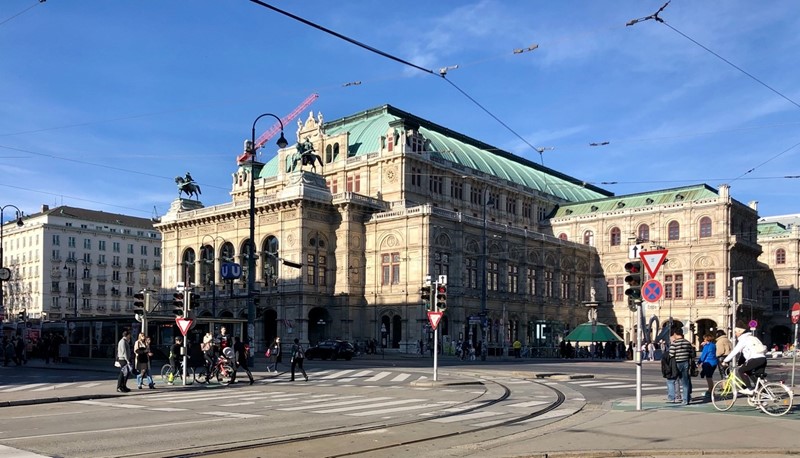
208 351
174 357
755 360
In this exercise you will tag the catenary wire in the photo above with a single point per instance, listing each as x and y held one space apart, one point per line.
23 11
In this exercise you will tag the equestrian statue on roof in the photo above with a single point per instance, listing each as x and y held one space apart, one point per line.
305 155
188 186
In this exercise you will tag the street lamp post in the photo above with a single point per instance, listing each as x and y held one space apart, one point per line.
5 274
251 256
484 266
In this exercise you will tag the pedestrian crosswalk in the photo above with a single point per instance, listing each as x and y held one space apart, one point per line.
254 403
344 377
616 384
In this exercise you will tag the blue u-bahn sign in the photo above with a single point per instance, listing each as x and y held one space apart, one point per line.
230 270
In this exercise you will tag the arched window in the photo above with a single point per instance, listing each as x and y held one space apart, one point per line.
644 233
207 265
616 236
780 256
329 154
562 236
588 238
705 227
674 230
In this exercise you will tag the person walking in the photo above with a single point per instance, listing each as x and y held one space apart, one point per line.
142 351
682 352
298 355
125 361
275 356
708 363
241 359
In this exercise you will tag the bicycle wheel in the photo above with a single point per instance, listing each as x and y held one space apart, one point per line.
190 377
774 399
722 395
224 374
165 370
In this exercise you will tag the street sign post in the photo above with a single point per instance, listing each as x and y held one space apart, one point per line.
634 251
795 320
434 318
652 291
183 324
653 260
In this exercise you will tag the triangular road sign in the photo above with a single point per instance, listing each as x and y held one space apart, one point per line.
183 324
435 318
653 260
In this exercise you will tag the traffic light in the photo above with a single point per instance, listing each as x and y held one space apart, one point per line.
177 303
425 294
634 280
441 297
194 301
21 316
139 303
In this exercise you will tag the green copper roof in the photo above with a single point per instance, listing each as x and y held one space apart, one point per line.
366 129
772 228
660 197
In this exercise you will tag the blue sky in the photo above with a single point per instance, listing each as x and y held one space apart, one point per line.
105 102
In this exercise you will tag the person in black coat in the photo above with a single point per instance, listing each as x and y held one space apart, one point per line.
240 351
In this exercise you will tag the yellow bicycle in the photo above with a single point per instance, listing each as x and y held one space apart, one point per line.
771 397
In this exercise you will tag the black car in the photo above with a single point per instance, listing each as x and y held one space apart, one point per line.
331 349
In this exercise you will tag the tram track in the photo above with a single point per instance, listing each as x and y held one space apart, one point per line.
400 428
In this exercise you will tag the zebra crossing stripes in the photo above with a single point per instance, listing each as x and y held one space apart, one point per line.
614 385
21 387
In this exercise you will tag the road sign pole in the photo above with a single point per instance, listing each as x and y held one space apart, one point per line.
794 355
435 334
637 354
186 338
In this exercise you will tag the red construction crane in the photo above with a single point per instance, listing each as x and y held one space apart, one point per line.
244 157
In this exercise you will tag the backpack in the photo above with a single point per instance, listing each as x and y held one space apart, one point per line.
299 353
757 346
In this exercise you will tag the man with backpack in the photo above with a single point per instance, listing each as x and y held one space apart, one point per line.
755 359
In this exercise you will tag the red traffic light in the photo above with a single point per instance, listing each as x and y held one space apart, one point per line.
633 267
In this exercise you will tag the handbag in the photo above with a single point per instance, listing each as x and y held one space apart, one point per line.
693 371
268 353
117 364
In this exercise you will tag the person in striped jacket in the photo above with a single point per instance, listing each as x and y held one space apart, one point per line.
683 353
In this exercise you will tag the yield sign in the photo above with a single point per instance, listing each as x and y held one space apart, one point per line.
652 260
183 324
435 318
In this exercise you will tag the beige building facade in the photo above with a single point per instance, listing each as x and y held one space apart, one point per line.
395 199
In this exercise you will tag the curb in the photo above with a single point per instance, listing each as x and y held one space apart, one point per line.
654 453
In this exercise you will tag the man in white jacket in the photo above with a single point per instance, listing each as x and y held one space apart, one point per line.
754 355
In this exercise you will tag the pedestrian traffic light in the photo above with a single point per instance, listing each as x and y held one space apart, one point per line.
441 297
633 269
139 303
177 303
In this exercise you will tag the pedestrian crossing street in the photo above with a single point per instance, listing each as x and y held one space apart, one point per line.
617 384
382 405
346 377
47 386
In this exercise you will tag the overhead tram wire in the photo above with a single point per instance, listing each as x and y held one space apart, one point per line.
61 195
23 11
399 60
656 18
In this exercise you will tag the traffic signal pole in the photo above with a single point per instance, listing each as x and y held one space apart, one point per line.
435 303
187 299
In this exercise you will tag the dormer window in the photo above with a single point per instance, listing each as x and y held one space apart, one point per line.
620 204
594 208
679 197
567 212
649 201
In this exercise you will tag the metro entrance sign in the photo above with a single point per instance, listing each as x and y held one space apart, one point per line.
653 260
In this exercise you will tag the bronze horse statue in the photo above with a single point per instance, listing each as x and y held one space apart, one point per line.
306 155
188 187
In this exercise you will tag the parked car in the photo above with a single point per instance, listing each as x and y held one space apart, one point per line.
331 349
